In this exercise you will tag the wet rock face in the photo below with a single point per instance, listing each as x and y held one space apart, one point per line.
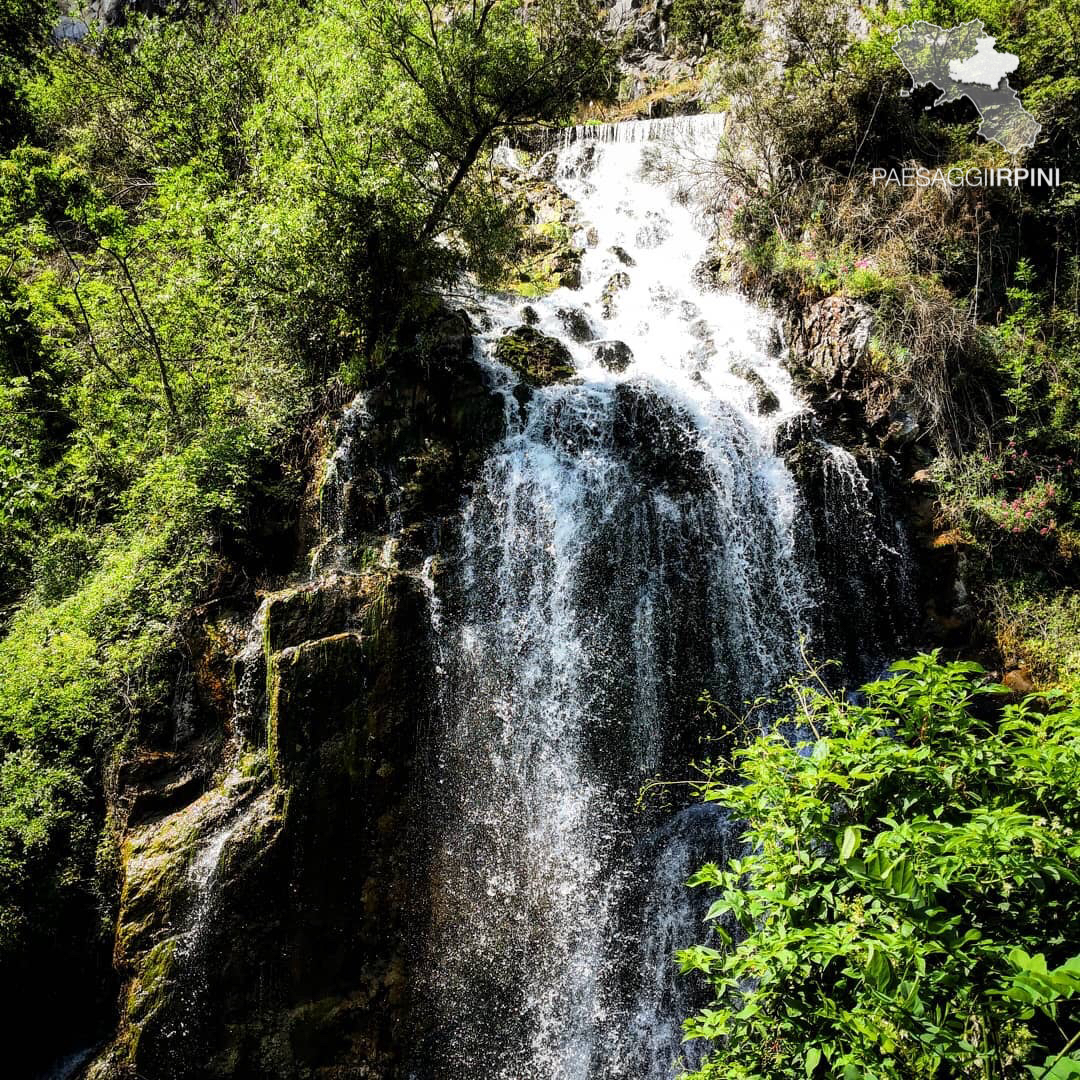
656 440
864 597
765 399
312 610
545 166
801 428
421 435
538 359
576 323
616 283
261 927
832 341
316 690
614 355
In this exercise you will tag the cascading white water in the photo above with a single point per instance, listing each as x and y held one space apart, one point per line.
630 543
695 132
194 932
672 916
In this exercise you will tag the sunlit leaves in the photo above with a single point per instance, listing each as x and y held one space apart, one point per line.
908 874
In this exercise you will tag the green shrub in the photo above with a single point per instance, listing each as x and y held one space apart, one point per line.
1038 629
909 905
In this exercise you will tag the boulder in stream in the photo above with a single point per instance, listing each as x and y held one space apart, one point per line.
616 283
537 358
576 323
614 355
765 400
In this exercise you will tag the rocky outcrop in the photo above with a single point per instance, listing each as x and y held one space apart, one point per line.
552 239
262 919
576 323
829 344
538 359
654 80
832 341
615 285
657 440
829 353
260 927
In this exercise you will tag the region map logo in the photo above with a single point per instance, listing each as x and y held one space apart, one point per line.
961 62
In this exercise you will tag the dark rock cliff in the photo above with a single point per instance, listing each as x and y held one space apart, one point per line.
827 348
261 928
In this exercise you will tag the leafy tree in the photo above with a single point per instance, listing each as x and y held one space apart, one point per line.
481 68
24 28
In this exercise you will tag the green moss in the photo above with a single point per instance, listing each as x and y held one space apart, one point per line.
539 360
535 287
149 990
316 689
253 763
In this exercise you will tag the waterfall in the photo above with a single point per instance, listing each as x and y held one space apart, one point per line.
680 846
228 815
698 129
631 542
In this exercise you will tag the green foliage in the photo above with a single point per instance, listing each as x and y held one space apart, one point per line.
1038 628
718 24
1039 354
24 28
204 219
909 902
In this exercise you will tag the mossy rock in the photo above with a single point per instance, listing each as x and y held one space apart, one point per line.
538 359
312 610
316 689
155 889
152 987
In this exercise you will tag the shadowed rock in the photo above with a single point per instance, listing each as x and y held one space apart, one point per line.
616 283
577 323
614 355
